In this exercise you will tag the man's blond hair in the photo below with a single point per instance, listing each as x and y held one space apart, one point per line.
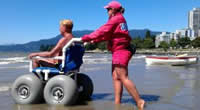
68 23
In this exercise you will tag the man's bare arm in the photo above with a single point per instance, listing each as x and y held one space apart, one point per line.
55 51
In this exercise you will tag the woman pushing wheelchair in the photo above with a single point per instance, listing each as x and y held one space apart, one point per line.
115 31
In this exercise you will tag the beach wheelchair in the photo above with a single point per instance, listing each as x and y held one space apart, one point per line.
63 85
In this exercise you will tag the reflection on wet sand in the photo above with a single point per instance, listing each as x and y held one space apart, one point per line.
90 106
99 101
125 99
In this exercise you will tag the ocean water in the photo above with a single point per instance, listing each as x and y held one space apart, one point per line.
163 87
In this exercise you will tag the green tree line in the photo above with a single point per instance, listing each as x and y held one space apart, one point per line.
148 42
184 42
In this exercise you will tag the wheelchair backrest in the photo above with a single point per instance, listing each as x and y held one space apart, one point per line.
73 57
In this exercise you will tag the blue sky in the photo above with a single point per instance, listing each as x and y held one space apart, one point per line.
22 21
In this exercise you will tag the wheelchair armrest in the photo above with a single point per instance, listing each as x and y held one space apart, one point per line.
38 57
56 57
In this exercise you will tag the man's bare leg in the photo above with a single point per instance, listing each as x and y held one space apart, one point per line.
45 63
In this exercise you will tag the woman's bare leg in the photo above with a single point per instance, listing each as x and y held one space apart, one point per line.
122 73
118 88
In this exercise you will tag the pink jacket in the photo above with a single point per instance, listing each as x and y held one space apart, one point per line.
115 31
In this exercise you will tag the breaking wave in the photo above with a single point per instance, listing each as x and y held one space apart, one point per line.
4 61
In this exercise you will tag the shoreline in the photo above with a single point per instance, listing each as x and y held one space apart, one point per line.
156 51
173 52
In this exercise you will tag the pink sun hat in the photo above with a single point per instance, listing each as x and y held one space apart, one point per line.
113 4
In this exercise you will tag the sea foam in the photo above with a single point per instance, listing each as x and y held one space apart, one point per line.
4 88
4 61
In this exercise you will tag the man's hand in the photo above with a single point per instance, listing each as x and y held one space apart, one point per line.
32 55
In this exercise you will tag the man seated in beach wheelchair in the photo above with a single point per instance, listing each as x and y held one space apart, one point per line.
55 83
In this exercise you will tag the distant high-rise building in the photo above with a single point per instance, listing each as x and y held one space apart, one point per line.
194 21
164 36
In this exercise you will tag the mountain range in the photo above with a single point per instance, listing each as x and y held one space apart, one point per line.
35 45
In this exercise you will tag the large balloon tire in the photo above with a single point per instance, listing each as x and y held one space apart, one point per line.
60 90
27 89
85 85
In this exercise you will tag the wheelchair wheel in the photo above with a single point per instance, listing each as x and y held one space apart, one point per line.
85 86
27 89
60 90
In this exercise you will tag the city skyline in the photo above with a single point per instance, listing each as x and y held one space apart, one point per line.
24 21
192 31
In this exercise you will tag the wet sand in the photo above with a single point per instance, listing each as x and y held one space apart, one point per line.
162 87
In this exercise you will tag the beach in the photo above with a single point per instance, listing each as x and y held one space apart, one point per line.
163 87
